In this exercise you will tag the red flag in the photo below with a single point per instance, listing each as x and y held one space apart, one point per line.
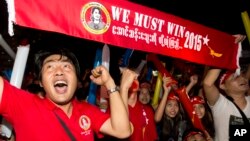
187 105
129 25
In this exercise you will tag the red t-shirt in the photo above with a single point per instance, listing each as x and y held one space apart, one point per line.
142 117
33 118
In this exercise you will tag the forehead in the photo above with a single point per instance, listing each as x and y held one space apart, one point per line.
233 77
56 58
171 101
196 137
198 105
144 89
96 10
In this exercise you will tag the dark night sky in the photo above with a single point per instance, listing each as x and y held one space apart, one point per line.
224 15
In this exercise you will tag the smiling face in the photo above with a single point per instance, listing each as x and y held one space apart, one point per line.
199 110
58 79
172 108
234 85
237 84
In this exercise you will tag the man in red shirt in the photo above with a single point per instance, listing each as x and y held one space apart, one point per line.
38 119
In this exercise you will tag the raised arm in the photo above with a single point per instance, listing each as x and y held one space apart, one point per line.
118 125
128 77
161 107
211 91
193 81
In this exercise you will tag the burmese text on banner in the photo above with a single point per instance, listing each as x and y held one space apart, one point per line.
129 25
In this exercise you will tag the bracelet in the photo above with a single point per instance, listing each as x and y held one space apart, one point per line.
113 90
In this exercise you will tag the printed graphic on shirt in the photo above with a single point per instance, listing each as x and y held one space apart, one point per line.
84 122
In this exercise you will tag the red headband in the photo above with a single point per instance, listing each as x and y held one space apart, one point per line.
197 100
145 85
134 87
172 96
192 133
225 76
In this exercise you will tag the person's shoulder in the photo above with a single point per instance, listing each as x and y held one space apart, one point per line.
90 23
221 102
9 88
102 25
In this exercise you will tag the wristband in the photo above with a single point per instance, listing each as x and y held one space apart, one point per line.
112 90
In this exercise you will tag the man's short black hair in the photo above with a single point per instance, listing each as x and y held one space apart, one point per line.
43 54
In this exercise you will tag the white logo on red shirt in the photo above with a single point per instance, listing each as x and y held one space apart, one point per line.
84 122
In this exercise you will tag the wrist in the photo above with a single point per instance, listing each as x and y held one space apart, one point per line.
112 90
110 84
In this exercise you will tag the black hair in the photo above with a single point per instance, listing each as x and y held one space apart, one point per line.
92 11
43 54
170 127
94 8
